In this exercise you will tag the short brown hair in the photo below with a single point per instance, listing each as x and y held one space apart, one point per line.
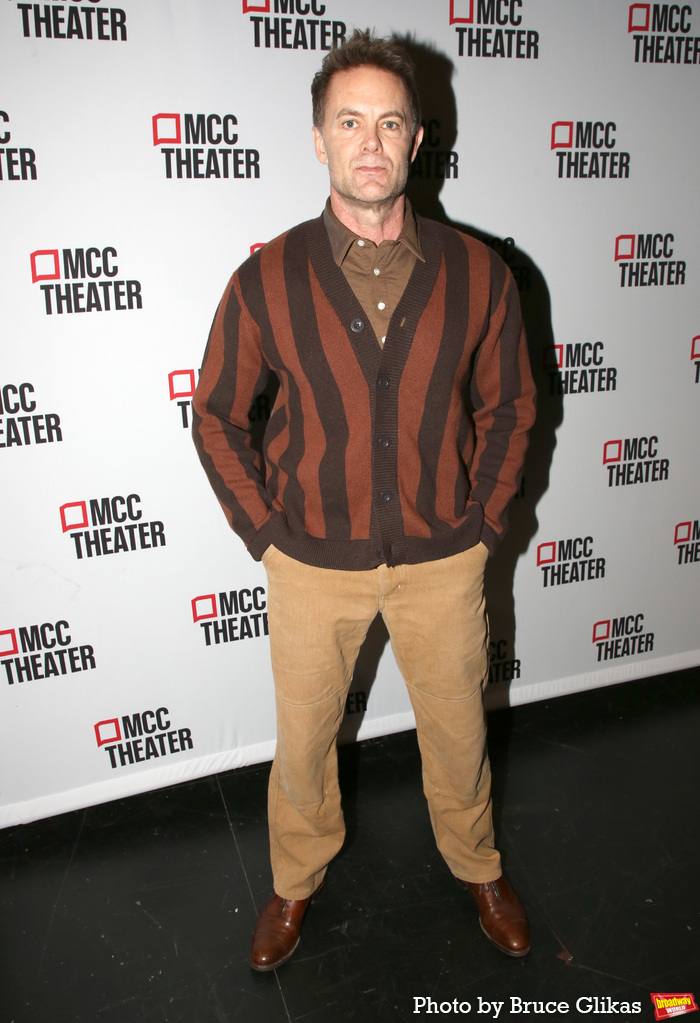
363 49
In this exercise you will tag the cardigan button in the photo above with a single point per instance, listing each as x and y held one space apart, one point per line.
357 325
385 496
384 442
383 382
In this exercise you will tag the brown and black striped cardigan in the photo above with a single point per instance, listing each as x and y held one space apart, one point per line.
405 453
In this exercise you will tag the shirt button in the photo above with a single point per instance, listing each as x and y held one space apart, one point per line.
376 271
361 243
384 442
381 305
385 496
357 326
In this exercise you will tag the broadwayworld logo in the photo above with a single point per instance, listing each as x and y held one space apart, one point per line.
306 29
136 738
661 34
90 285
492 28
668 1006
209 149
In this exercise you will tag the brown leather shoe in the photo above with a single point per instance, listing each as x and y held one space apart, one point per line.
502 916
278 931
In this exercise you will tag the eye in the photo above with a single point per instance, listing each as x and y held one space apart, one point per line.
349 122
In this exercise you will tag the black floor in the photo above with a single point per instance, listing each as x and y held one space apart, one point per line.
141 909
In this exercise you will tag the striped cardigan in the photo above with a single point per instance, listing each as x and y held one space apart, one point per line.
405 453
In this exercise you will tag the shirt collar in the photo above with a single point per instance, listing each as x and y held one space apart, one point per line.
341 237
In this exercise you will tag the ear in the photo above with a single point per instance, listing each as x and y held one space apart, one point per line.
418 138
319 145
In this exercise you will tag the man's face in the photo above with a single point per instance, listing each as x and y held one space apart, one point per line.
367 138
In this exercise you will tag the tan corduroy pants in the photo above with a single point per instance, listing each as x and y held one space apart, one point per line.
318 618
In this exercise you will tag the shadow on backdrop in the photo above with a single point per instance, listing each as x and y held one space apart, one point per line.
438 160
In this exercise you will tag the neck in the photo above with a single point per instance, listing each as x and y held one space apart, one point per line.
375 221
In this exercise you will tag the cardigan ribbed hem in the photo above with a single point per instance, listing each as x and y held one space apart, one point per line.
360 555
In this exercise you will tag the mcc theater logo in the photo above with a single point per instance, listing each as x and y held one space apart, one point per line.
662 34
30 426
634 460
17 163
569 561
209 149
578 368
238 614
493 28
645 261
33 652
89 275
622 637
137 738
586 149
503 667
117 526
432 161
182 385
73 21
686 539
306 28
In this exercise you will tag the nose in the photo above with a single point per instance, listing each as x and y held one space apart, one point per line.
371 142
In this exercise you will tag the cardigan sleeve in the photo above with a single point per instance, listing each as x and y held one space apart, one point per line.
233 373
503 403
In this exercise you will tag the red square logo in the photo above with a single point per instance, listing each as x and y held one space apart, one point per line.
166 128
601 631
639 18
562 135
204 607
612 451
461 12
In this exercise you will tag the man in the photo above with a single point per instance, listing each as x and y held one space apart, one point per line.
393 450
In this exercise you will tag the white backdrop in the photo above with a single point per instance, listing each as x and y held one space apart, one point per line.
143 151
